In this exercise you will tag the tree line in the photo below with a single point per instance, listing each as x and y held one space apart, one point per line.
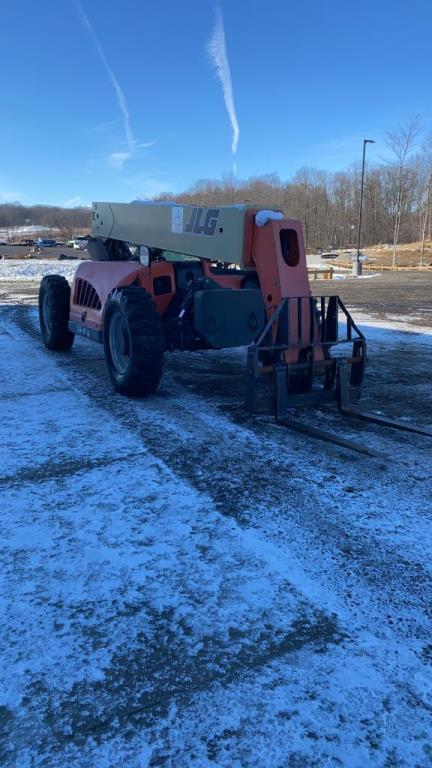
63 223
397 206
397 199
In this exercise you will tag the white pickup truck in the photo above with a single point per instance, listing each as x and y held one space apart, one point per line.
78 243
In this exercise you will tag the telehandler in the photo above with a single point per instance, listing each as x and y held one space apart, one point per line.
167 276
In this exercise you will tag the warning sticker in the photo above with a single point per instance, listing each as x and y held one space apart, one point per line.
177 220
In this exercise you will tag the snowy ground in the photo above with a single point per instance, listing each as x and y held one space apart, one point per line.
187 585
19 270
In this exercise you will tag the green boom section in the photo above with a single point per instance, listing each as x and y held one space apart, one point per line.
216 234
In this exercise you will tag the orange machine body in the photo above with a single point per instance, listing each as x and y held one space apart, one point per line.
274 263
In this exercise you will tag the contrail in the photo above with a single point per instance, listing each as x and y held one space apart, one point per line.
216 49
130 141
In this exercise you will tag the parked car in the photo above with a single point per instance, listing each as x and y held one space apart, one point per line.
78 243
44 242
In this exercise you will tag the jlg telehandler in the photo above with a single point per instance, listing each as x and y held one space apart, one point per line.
166 276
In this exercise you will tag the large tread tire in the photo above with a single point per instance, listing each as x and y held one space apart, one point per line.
135 363
54 307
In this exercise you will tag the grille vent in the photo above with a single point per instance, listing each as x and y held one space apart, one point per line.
86 295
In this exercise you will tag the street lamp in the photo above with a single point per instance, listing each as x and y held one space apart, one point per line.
357 267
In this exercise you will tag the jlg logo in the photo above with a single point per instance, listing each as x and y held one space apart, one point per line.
199 227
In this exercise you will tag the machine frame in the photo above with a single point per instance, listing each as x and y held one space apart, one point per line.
165 276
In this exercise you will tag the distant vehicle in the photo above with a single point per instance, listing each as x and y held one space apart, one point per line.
329 255
26 241
44 242
3 242
80 243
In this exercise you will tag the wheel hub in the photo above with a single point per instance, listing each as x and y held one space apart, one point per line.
47 312
119 342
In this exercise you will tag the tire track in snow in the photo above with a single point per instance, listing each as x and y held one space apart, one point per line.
309 518
211 450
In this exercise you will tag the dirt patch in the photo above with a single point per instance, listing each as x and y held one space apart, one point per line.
408 254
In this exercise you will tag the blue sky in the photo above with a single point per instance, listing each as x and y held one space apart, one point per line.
134 107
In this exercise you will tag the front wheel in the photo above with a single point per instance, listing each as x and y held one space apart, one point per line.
54 304
133 342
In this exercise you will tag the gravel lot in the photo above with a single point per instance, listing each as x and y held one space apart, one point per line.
401 296
405 296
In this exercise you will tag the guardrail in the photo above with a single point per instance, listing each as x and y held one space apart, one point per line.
380 267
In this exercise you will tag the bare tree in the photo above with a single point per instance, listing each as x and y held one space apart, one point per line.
427 192
401 143
398 198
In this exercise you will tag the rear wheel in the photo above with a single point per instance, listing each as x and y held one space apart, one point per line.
54 304
133 342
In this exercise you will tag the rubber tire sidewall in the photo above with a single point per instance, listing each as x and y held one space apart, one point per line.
57 290
144 371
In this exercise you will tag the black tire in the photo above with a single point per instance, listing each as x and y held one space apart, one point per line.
54 305
133 342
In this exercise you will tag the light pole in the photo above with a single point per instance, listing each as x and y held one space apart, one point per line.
357 267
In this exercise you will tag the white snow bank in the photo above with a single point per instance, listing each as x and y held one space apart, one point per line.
347 274
394 327
35 269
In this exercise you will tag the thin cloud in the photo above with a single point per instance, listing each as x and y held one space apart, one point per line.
121 100
145 144
9 196
118 159
217 52
74 201
104 126
147 185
